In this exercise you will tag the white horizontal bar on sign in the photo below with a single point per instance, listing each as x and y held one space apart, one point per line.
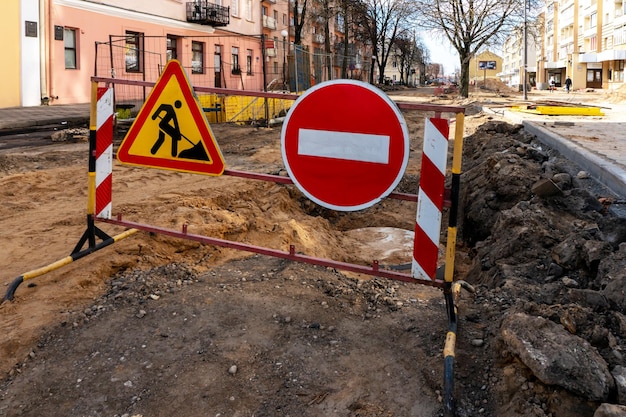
362 147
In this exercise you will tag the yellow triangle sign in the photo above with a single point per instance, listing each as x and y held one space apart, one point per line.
171 130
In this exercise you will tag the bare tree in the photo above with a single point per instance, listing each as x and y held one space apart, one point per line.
410 55
383 20
299 16
471 26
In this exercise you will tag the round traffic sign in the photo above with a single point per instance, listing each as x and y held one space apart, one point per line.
345 144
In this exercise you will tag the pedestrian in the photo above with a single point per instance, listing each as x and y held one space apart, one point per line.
568 84
552 84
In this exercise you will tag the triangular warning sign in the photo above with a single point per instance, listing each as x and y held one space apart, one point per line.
171 130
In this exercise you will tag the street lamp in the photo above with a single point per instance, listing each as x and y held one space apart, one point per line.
284 34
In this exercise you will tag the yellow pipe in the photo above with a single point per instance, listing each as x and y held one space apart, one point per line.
450 255
458 144
457 159
93 120
51 267
69 259
448 348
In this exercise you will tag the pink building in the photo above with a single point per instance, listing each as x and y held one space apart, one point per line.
219 44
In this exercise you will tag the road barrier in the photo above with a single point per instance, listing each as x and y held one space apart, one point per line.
430 203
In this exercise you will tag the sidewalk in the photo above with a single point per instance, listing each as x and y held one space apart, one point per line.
15 118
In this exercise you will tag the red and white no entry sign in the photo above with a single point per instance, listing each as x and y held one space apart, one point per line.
345 144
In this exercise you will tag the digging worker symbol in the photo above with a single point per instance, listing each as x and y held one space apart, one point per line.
168 126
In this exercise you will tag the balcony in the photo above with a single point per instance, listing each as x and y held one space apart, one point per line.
318 38
206 13
269 22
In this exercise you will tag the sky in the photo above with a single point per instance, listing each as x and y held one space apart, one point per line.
441 52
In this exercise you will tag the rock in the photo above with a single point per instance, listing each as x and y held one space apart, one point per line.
555 270
610 410
557 357
545 188
582 175
619 374
477 342
232 370
570 283
613 230
581 200
567 254
563 180
568 323
612 278
599 336
621 321
594 251
588 298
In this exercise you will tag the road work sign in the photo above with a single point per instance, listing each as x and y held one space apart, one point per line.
345 144
171 130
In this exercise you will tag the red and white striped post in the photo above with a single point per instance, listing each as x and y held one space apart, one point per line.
104 153
430 199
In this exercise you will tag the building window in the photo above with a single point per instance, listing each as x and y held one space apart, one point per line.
69 40
217 58
172 47
234 8
197 57
134 48
619 36
235 60
340 21
248 9
593 20
249 61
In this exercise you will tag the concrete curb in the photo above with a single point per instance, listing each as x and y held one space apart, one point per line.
603 171
600 169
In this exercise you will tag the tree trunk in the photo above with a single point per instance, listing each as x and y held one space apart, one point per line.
381 74
327 51
464 83
344 63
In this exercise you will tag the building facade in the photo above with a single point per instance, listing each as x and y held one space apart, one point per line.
484 65
585 40
56 46
513 65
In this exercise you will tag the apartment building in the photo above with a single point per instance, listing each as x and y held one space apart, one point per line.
513 65
586 40
396 72
56 46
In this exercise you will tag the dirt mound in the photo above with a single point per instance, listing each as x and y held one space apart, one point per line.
551 252
494 85
617 95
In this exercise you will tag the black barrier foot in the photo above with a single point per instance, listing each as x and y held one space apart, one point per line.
12 288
